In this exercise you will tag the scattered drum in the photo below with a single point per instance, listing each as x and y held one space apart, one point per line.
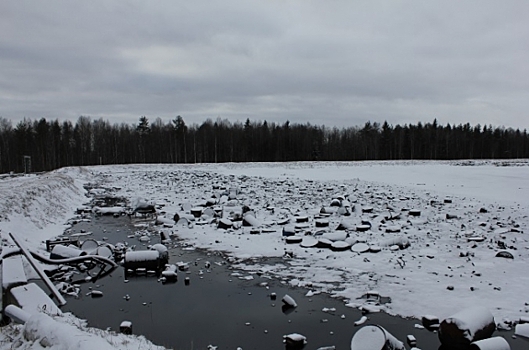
375 338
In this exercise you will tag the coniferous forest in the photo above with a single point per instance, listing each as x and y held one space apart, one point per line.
42 145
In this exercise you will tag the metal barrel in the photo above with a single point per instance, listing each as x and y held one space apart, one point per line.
374 337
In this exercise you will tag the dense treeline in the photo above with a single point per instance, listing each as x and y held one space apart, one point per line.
53 144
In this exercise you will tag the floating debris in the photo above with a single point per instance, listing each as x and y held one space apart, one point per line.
289 301
361 321
125 327
294 341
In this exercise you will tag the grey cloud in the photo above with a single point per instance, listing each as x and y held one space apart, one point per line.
338 63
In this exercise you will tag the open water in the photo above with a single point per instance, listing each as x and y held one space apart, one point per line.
221 306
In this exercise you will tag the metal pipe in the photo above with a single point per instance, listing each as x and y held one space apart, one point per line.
33 263
97 258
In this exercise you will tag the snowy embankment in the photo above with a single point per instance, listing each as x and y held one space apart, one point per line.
464 213
36 208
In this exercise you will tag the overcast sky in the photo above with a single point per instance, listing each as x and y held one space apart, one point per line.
338 63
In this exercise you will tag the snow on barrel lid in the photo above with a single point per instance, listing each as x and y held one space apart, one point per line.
104 251
360 248
335 236
309 242
89 245
369 338
340 245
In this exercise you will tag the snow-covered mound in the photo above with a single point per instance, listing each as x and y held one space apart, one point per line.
67 332
36 207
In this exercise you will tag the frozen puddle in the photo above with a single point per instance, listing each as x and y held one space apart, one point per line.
212 304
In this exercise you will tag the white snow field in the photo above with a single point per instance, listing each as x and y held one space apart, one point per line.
455 216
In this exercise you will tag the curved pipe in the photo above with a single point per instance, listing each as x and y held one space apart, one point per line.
76 259
41 258
11 253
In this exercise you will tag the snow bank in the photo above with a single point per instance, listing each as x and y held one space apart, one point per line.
33 300
51 333
36 207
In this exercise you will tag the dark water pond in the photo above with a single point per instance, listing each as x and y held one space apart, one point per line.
219 308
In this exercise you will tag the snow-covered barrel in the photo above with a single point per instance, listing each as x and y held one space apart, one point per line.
430 322
16 314
336 202
335 236
321 223
289 230
66 252
147 259
125 327
225 224
293 239
324 243
465 327
328 210
294 341
340 246
344 225
89 246
170 273
196 211
106 251
163 221
162 251
289 301
250 220
309 242
362 227
374 337
414 212
402 242
143 208
522 330
164 237
494 343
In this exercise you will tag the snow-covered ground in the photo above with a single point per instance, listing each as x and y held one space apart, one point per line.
469 211
35 208
443 252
